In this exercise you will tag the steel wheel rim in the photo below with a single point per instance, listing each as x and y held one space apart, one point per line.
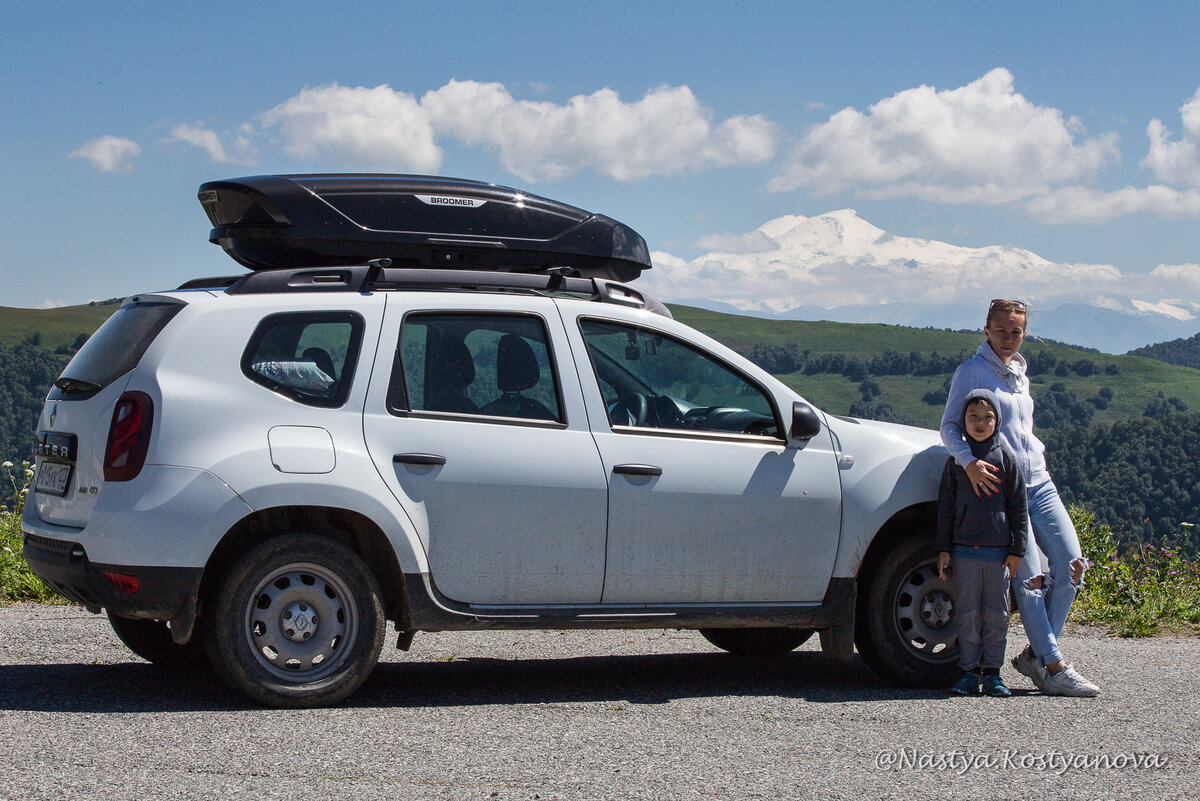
923 616
291 602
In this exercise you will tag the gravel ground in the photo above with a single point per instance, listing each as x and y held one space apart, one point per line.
586 715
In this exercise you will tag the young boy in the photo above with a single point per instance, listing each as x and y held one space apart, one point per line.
984 535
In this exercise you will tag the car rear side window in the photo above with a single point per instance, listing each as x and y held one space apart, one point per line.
115 348
306 356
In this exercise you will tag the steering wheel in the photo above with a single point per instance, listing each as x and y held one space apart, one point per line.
629 410
758 427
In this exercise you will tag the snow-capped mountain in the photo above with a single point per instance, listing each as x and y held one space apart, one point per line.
838 266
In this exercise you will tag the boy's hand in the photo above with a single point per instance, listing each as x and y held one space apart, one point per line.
1011 563
943 560
983 478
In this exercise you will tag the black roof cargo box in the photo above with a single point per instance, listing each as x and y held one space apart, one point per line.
277 221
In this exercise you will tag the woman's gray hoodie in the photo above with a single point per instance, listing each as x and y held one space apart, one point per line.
985 370
999 521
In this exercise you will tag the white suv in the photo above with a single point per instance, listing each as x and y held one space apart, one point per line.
429 403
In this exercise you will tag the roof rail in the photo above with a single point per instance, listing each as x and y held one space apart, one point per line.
373 277
216 282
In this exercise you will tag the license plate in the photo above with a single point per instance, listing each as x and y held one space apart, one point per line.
53 478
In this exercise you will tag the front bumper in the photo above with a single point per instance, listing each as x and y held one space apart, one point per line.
162 593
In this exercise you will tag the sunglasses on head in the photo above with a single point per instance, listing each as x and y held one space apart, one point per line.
1016 304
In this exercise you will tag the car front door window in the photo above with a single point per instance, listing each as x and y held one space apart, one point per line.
651 381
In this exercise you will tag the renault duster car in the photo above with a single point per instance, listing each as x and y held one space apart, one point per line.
441 403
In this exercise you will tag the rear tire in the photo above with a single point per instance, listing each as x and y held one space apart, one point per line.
904 619
151 640
298 621
757 641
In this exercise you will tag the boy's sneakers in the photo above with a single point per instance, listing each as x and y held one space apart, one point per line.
994 686
1030 666
1068 682
967 685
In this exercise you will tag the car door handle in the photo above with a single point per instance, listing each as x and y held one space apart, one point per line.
418 458
637 469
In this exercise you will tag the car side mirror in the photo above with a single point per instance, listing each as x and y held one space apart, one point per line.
806 423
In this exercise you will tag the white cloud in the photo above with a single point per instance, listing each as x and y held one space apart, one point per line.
1176 162
839 260
1083 204
667 131
981 143
210 142
52 304
1181 276
109 153
376 128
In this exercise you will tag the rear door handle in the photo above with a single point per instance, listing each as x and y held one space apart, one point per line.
418 459
637 470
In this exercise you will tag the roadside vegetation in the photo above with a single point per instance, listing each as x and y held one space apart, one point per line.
1135 590
17 582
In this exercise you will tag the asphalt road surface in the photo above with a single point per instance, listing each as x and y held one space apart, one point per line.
587 715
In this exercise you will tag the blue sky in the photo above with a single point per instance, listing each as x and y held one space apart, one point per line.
1026 124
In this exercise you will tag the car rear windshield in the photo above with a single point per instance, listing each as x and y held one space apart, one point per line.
115 348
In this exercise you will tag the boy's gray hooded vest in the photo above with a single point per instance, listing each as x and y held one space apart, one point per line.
999 521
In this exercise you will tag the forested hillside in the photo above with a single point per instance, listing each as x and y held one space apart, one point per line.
28 371
1184 352
1141 475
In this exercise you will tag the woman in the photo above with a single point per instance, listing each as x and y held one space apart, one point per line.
1044 599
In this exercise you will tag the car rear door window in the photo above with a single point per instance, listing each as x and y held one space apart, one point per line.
493 365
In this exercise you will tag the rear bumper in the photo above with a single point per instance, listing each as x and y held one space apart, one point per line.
163 593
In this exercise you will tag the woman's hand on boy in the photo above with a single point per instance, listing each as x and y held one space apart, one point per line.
983 478
1011 563
943 561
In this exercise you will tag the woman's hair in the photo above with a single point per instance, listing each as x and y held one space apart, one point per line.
1005 306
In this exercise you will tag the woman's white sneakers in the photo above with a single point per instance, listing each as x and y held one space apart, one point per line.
1068 682
1065 682
1029 666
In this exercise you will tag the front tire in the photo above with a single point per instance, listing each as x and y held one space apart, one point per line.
904 618
298 622
151 640
757 641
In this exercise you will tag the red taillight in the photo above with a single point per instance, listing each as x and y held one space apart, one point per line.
128 437
123 582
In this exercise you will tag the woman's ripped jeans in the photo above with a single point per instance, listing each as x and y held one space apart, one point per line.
1045 599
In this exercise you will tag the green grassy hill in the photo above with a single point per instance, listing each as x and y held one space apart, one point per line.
1134 382
56 327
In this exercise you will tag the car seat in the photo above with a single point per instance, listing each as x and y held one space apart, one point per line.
446 384
320 357
516 371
